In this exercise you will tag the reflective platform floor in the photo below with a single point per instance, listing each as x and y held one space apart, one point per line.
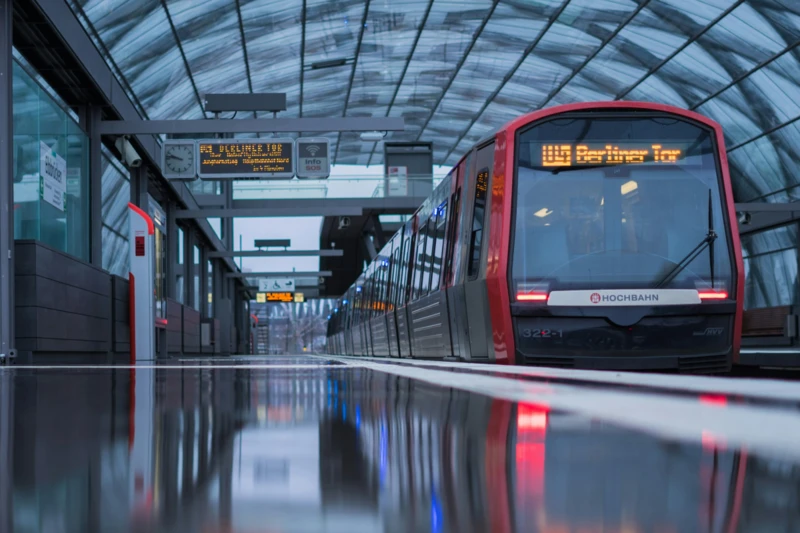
296 444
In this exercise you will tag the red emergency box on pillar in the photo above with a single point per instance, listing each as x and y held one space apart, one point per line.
141 279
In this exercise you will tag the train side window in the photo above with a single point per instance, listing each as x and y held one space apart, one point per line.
419 260
395 277
452 236
430 236
484 164
406 275
438 246
385 266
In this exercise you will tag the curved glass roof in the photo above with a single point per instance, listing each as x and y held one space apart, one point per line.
458 69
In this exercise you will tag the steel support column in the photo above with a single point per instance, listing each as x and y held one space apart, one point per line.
139 187
6 451
7 310
172 253
94 115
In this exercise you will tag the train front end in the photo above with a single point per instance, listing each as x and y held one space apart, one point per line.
623 245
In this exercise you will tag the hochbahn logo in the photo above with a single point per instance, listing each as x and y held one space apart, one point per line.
596 298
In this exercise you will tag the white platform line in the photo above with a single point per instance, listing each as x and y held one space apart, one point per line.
265 366
764 430
767 389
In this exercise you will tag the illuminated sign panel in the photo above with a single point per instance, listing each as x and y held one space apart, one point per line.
482 184
285 297
575 155
220 159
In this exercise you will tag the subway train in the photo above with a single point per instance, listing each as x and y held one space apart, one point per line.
592 235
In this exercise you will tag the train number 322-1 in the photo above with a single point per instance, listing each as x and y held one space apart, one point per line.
529 333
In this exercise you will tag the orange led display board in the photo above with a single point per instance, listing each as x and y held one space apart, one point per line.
218 159
286 297
575 155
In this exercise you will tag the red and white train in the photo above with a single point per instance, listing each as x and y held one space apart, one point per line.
592 235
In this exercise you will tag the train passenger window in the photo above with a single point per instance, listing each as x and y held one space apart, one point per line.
418 260
485 157
396 269
438 246
452 237
404 276
424 259
425 279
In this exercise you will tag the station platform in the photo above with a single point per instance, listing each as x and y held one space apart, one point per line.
318 443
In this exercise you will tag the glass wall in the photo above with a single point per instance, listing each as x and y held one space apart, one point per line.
51 171
770 266
116 195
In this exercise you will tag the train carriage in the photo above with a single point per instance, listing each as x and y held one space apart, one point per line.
594 235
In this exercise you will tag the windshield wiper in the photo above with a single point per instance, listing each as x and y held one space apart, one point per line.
708 240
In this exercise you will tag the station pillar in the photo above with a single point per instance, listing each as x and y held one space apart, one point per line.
7 310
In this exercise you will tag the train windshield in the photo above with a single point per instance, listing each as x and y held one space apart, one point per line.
618 202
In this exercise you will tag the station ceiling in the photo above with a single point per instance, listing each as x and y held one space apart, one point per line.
458 69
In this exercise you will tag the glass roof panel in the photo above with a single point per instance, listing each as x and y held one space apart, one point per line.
767 164
764 100
273 32
597 49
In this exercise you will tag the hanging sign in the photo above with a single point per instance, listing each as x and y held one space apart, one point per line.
52 177
276 285
397 181
313 159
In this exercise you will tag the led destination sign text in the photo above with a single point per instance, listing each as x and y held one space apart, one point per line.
567 155
246 159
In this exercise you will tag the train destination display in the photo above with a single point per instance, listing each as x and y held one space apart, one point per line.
226 159
568 155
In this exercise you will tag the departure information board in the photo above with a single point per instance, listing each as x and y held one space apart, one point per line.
598 154
232 159
285 297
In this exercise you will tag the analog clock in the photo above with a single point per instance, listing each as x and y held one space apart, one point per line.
179 159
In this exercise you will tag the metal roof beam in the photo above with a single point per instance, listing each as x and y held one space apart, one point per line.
258 212
278 253
319 274
352 76
250 125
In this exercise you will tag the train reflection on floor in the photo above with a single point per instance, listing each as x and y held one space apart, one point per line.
345 449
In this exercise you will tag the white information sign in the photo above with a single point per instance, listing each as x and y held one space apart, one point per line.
313 158
275 285
52 177
397 181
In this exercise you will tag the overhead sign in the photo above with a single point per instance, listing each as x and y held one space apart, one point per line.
239 159
284 297
313 157
52 177
396 181
276 284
